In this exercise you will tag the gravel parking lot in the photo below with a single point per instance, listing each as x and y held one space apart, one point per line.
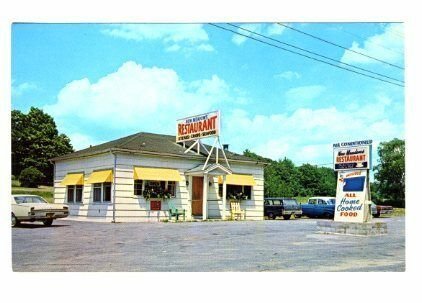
270 245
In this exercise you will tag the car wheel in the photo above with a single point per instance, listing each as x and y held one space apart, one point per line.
48 222
271 216
376 215
327 215
15 222
286 217
298 216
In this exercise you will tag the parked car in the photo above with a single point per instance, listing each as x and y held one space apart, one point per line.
34 208
282 207
319 207
378 210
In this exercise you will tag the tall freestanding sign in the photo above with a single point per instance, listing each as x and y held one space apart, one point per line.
352 161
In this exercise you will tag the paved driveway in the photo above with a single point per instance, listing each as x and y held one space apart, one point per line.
204 246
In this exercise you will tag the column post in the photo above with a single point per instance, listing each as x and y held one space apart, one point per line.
205 198
224 197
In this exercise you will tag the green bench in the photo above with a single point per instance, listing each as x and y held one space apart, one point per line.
175 212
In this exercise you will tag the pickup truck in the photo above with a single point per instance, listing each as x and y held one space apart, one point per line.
284 207
378 210
319 207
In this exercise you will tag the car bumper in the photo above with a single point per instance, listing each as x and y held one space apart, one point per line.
45 216
292 212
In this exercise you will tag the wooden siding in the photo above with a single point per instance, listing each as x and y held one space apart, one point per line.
130 207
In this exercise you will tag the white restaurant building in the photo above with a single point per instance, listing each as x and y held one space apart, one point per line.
108 182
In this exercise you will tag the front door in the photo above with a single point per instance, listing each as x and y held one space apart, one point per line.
197 194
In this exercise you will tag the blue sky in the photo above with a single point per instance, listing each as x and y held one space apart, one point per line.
105 81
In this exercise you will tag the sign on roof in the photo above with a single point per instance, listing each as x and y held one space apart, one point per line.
352 155
197 127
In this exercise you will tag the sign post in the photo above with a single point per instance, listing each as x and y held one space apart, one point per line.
352 161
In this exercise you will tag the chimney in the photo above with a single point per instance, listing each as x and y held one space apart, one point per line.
225 147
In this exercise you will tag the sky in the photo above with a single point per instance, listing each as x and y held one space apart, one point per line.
104 81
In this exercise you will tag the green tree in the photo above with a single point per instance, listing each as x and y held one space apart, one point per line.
30 177
35 140
390 172
327 182
309 178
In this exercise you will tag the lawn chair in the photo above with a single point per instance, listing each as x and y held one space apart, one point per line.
236 211
175 212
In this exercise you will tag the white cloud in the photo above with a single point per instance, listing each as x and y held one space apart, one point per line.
174 36
303 96
387 46
18 90
307 135
137 98
81 141
259 28
288 75
275 29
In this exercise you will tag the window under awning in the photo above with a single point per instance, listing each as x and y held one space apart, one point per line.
73 179
101 176
156 174
234 179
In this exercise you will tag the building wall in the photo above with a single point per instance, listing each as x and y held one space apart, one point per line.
130 207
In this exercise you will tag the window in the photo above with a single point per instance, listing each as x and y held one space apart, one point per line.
171 188
74 193
155 187
137 188
234 189
102 192
312 201
107 192
71 193
79 193
97 192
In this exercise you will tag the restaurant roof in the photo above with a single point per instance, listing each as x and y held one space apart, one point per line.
149 143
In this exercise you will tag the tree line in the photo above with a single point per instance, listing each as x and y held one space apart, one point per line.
283 179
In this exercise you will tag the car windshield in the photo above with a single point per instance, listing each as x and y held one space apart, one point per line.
332 201
29 199
290 202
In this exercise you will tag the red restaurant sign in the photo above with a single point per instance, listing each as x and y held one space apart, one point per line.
197 127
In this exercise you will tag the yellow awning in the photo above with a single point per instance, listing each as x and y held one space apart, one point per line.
73 179
234 179
156 174
101 176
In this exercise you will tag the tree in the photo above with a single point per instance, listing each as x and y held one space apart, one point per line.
35 140
30 177
390 172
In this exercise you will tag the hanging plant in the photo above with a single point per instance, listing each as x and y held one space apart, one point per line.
238 196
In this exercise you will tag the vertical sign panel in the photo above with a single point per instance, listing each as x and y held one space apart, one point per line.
351 196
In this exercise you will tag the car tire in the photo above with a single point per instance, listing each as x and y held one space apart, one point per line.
287 217
15 221
271 216
47 222
327 215
376 215
298 216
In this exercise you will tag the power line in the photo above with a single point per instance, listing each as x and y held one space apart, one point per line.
337 45
309 57
371 42
313 53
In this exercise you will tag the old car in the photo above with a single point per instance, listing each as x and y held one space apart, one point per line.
32 208
378 210
282 207
319 207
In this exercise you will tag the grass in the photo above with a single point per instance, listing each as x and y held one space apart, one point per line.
44 191
398 212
